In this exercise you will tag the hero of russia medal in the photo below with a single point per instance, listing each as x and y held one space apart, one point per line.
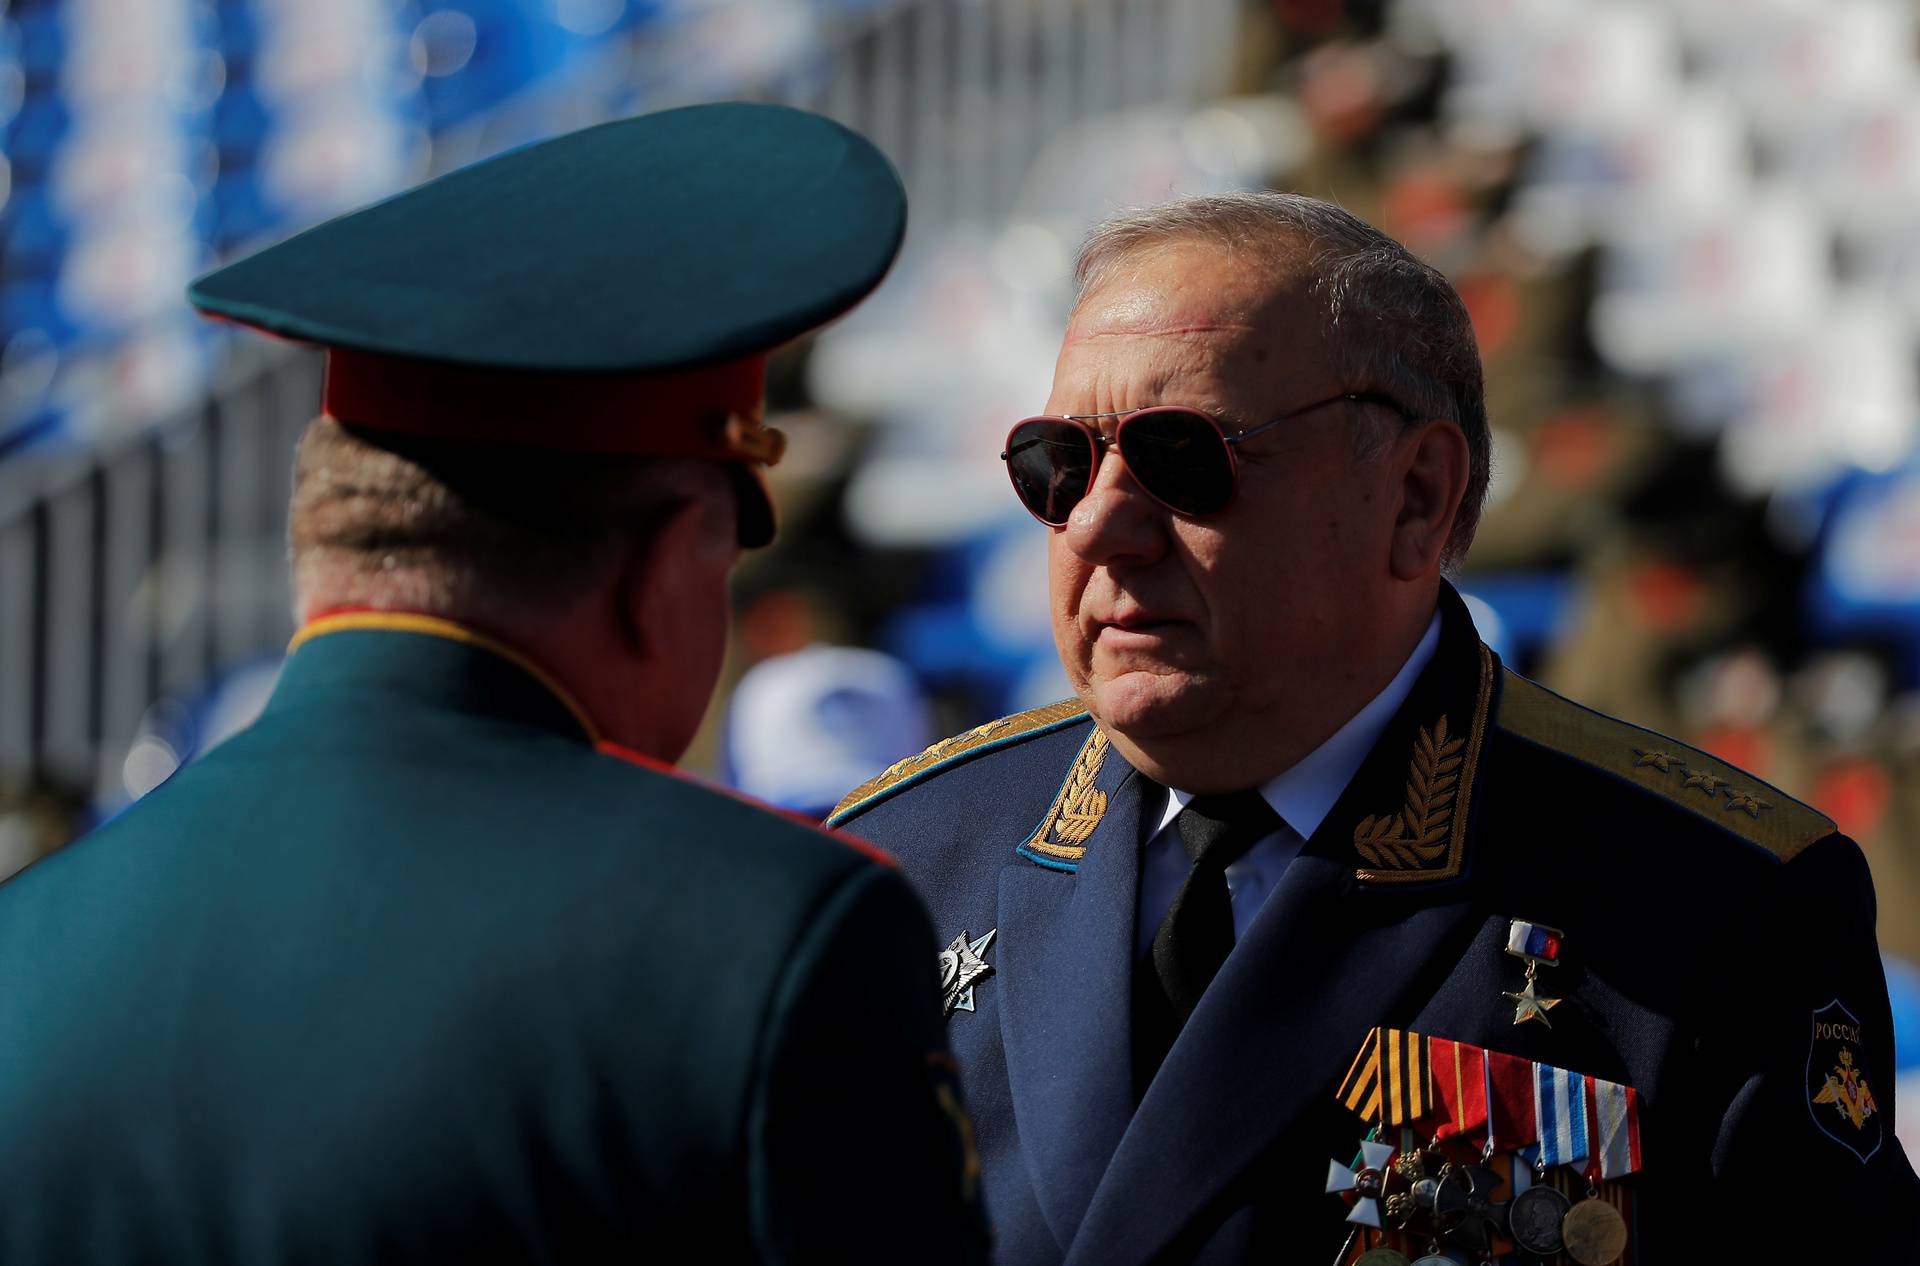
1537 944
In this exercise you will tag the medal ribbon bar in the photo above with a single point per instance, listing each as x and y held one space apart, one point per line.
1560 1105
1533 941
1391 1080
1459 1086
1511 1122
1617 1132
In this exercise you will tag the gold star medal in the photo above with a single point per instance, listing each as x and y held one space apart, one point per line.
1536 944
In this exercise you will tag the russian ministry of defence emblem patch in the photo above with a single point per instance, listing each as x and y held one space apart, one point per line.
1837 1091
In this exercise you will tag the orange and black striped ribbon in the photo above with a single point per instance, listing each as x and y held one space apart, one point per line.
1360 1088
1391 1080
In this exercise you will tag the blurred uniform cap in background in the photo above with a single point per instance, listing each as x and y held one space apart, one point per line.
804 727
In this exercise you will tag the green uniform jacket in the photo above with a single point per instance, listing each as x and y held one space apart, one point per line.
410 971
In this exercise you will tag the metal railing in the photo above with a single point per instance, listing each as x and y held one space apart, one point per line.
139 573
142 571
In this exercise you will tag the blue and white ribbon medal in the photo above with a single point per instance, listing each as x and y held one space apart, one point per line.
1560 1107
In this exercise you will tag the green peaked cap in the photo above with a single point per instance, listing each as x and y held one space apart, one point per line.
614 289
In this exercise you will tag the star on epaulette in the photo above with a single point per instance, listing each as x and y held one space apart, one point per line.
1751 804
1705 782
1665 762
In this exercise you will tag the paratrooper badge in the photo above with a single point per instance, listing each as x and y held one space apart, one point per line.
963 964
1837 1091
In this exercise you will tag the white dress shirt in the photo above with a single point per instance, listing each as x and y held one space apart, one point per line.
1302 796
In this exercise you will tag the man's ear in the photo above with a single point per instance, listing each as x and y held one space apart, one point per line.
657 574
1433 465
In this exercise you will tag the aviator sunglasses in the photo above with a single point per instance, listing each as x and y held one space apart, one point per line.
1181 457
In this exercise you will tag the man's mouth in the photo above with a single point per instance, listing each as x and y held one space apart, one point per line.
1137 624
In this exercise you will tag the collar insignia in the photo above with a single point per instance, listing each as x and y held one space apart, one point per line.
1425 838
1060 841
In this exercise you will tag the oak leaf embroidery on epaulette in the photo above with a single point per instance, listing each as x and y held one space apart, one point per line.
1417 835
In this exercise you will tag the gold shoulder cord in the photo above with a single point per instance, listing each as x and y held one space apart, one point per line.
959 745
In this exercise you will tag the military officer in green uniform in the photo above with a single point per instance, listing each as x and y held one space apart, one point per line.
1298 803
441 961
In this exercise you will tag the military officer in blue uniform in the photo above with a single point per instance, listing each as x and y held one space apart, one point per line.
1297 799
441 961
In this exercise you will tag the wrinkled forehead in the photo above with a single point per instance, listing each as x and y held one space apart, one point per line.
1201 288
1194 312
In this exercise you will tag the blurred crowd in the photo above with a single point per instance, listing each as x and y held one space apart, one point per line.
146 139
1684 229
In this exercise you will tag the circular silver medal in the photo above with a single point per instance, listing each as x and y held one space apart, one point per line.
1534 1220
1382 1257
1435 1259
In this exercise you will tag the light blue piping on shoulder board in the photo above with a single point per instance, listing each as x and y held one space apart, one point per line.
936 767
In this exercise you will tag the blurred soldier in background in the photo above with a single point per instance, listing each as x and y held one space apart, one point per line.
440 961
804 726
1302 837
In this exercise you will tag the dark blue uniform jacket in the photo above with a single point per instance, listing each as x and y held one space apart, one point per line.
410 972
1711 925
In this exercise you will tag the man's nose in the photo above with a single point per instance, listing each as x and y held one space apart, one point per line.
1116 521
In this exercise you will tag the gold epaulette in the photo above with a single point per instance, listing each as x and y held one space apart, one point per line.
993 733
1707 787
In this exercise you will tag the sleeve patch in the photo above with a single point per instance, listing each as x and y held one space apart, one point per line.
1838 1091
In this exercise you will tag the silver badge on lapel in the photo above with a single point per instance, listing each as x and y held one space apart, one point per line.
963 964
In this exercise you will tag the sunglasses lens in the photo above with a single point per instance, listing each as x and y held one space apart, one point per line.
1051 462
1179 457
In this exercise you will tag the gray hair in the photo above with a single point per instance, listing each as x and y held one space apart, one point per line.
1398 325
444 527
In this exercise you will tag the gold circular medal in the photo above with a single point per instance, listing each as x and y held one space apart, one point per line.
1594 1232
1382 1257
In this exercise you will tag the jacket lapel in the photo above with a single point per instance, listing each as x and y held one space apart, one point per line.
1272 1035
1066 914
1375 908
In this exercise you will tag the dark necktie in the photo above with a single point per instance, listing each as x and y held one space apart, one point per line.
1196 935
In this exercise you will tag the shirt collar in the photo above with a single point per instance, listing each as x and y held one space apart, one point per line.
1304 794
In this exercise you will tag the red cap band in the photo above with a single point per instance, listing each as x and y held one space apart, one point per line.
714 412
